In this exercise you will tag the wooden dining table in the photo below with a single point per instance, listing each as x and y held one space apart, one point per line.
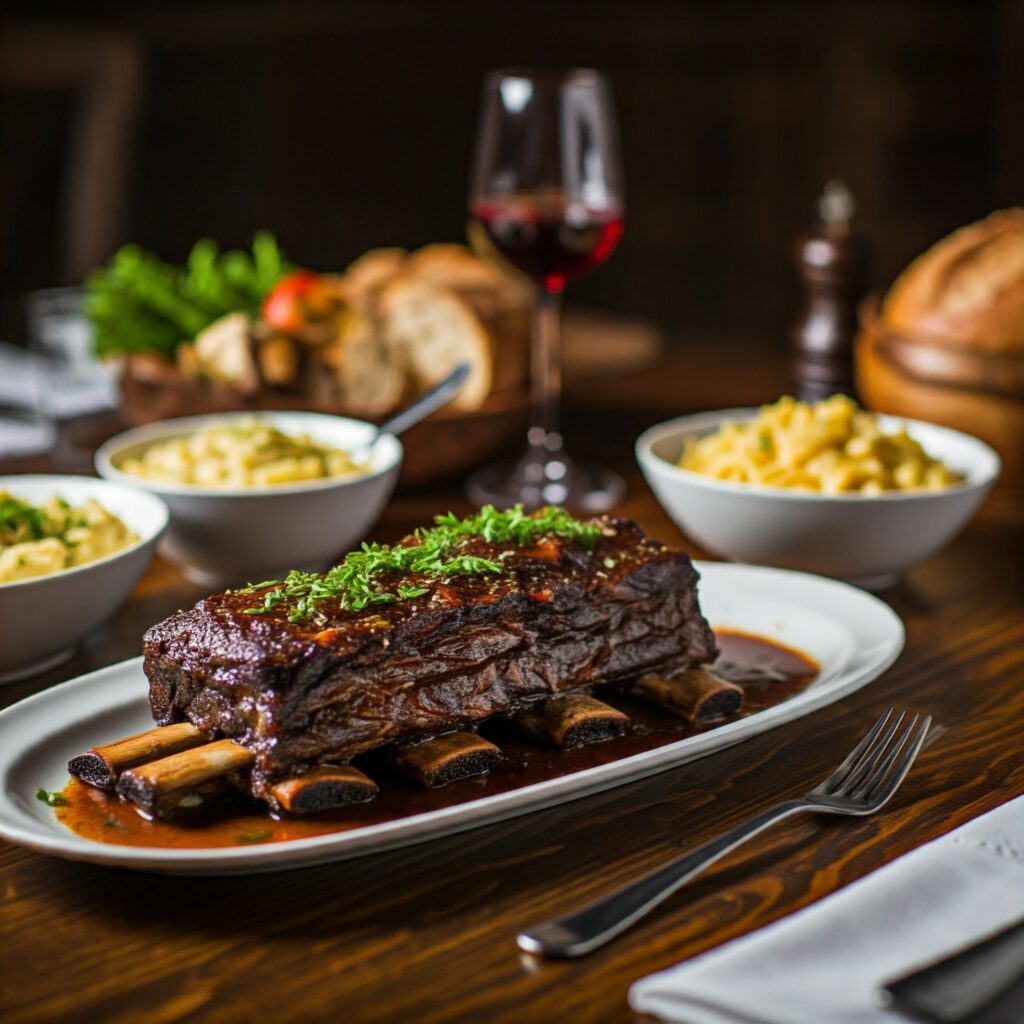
427 932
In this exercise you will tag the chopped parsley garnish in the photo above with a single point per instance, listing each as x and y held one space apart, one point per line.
19 519
252 837
50 798
434 553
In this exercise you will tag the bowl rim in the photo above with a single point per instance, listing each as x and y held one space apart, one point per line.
156 503
177 426
708 420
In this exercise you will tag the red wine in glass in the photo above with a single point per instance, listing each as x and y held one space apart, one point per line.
546 191
552 238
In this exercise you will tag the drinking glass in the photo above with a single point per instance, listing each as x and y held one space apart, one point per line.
546 190
76 393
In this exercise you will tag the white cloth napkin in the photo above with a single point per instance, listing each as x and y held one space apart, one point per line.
74 389
826 962
32 395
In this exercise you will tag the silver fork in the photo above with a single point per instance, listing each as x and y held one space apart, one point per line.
862 784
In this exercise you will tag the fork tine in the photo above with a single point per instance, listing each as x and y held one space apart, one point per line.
889 785
881 767
871 758
853 758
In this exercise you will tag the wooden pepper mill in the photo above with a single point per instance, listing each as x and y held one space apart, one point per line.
833 265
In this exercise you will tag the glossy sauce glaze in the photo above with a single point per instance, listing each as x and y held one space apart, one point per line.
768 672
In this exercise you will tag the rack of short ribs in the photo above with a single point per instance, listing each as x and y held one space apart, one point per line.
274 689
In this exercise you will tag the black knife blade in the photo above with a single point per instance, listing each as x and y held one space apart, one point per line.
958 987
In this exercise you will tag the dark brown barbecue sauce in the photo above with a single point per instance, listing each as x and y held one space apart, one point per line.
768 672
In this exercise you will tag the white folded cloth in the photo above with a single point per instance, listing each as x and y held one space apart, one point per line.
826 962
33 395
24 436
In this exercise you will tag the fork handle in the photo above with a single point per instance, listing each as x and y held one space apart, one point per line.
593 925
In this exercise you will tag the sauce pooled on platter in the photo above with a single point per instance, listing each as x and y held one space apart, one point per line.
768 672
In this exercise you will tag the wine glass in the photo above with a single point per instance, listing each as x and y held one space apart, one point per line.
546 191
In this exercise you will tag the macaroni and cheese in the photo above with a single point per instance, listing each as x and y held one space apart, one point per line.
831 446
244 453
36 540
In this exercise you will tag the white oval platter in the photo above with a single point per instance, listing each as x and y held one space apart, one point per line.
853 636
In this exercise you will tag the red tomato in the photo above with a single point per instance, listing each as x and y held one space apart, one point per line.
284 307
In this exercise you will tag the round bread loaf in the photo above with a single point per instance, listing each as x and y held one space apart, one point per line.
947 343
966 290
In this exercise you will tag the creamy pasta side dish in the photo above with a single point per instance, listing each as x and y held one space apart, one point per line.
244 453
831 446
36 540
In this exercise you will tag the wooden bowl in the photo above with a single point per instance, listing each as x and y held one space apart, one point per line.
934 379
447 444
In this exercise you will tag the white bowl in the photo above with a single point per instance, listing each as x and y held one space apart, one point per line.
867 539
43 618
224 536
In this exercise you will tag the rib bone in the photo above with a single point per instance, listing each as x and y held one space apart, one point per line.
163 786
448 758
101 766
574 720
324 788
699 696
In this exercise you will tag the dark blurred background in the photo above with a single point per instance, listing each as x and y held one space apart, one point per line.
343 126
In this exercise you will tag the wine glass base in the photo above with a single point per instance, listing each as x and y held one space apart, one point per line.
584 487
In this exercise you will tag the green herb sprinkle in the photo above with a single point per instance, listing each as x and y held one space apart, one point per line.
435 553
52 798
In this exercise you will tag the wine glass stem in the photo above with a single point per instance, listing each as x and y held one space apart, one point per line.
545 435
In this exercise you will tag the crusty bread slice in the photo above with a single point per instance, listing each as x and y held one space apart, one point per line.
224 353
278 360
365 276
454 266
372 377
500 298
432 330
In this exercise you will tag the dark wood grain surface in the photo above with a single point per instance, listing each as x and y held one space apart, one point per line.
427 933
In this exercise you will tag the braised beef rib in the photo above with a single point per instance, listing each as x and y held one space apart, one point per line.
559 617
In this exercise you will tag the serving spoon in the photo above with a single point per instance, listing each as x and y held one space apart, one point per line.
430 401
